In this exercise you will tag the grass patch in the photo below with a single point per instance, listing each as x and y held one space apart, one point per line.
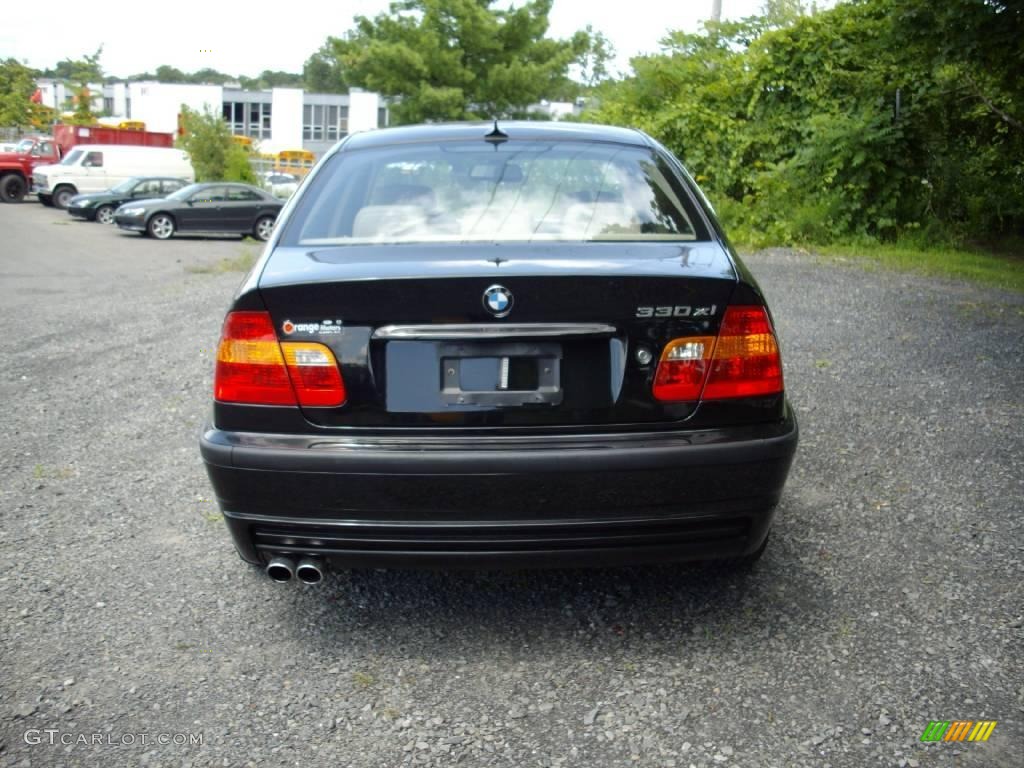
985 267
241 263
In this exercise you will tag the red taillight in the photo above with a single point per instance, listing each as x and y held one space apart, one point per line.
252 367
745 361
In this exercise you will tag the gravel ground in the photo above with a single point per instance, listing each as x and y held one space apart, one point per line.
890 594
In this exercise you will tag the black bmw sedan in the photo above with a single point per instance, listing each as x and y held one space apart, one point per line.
208 207
524 344
100 206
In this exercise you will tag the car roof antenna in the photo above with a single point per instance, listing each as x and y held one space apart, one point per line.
497 136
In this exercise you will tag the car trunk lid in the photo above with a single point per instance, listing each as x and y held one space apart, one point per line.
497 335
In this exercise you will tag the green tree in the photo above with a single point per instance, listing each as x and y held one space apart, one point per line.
17 84
969 100
322 72
214 155
457 59
62 70
593 64
266 79
208 75
83 72
280 79
167 74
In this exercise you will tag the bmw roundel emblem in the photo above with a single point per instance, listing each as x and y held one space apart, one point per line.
498 300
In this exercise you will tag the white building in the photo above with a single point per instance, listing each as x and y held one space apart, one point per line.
276 118
56 95
557 110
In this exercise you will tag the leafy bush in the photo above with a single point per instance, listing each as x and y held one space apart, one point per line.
789 122
214 154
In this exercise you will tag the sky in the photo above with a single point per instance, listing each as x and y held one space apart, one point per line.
192 34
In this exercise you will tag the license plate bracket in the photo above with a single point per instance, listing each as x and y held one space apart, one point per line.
500 375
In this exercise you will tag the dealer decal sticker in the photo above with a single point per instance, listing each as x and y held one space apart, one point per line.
322 328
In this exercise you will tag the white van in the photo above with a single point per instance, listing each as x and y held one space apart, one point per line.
89 168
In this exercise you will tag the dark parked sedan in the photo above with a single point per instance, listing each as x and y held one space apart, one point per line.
526 345
101 205
209 207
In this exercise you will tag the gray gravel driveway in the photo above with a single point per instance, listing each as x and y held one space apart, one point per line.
889 596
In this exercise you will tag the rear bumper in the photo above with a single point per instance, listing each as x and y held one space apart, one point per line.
499 502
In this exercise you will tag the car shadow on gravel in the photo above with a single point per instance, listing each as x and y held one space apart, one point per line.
185 237
484 611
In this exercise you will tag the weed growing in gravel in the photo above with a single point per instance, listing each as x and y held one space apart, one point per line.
241 263
362 680
994 311
41 472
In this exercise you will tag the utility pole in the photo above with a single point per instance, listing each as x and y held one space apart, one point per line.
716 10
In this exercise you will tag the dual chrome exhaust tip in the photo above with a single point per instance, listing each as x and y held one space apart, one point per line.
309 570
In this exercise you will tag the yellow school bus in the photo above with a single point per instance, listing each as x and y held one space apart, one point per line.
132 125
297 162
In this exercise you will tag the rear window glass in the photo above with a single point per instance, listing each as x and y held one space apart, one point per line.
237 193
476 191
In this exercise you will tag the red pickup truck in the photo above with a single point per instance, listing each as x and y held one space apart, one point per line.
16 167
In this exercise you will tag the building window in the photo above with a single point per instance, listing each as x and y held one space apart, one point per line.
248 118
128 107
382 117
324 122
332 122
318 122
108 105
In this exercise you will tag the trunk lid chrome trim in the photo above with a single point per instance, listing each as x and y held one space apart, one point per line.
496 331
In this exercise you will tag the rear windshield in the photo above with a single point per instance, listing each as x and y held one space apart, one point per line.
476 191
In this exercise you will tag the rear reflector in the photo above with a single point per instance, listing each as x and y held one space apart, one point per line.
253 368
743 361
